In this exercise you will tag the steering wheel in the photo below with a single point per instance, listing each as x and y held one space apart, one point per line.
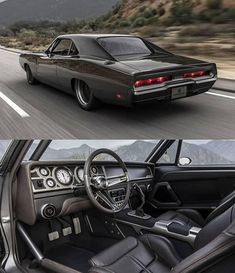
98 186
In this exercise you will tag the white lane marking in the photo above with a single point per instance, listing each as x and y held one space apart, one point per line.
221 95
14 106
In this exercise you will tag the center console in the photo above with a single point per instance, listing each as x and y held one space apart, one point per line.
170 229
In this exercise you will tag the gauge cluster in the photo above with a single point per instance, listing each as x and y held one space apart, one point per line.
51 178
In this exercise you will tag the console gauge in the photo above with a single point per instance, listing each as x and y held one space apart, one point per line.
63 176
50 183
44 171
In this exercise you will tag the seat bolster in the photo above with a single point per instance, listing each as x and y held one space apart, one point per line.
206 257
163 249
194 215
113 253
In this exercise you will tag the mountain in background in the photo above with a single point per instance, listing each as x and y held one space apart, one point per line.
224 148
12 11
201 155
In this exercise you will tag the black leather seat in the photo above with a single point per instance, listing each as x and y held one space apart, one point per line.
193 218
214 252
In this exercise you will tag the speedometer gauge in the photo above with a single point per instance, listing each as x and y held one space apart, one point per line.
63 176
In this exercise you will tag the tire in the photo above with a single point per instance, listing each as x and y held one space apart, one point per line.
29 75
85 97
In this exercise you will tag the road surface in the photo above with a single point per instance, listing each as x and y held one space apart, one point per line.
43 112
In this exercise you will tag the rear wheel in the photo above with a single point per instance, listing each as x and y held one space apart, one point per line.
85 97
30 78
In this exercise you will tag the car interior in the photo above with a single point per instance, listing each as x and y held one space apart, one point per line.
164 214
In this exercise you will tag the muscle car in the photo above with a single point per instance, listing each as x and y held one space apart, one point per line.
117 69
64 215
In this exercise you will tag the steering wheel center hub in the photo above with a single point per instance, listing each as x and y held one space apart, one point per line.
100 182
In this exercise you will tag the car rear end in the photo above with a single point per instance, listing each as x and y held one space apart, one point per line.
171 84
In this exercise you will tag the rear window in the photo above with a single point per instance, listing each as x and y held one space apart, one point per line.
124 46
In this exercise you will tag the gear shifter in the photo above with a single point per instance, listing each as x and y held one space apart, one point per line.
139 212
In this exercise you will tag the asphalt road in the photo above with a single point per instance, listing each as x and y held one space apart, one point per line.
43 112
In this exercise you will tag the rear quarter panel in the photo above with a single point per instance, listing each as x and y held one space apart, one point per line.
105 80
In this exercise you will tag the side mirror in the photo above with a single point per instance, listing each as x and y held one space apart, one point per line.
185 161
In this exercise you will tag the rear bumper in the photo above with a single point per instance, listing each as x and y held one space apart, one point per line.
164 92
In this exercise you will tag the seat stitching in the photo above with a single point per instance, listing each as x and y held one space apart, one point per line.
166 241
138 262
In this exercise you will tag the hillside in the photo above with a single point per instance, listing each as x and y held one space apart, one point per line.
224 148
12 11
150 11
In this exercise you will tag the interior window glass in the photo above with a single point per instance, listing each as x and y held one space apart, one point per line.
169 157
62 48
4 144
207 152
128 150
73 50
31 149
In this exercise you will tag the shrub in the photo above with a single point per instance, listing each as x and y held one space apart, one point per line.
214 4
198 31
139 22
182 11
226 16
161 11
124 23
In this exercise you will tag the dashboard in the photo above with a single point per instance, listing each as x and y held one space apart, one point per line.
52 189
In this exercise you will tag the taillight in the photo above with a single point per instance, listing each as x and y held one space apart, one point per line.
195 74
152 81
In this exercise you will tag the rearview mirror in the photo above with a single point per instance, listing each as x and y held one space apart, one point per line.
185 161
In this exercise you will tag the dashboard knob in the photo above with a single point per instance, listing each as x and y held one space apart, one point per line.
48 211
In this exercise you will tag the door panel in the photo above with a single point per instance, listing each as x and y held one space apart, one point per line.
195 187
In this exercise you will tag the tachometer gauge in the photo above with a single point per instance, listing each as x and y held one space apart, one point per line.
80 174
63 176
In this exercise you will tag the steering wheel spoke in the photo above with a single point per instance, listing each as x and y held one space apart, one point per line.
105 197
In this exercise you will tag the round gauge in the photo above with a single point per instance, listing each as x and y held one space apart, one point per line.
63 176
94 170
80 174
44 172
50 183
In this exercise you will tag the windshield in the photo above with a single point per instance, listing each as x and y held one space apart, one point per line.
4 145
128 150
124 46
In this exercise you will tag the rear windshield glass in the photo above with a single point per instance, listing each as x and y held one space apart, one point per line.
124 46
